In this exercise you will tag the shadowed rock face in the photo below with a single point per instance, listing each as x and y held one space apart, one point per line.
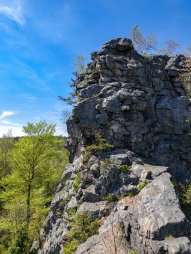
139 105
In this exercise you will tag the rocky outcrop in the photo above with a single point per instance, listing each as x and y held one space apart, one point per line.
138 105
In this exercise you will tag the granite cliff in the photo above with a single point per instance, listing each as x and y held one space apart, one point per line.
129 149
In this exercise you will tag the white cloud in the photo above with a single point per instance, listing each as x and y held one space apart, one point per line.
6 114
16 130
5 125
14 10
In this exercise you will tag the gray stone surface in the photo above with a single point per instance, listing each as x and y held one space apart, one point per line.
140 106
156 214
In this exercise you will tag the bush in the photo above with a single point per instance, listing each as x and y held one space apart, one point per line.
125 168
83 226
99 146
77 181
141 185
111 198
186 197
106 164
130 193
72 211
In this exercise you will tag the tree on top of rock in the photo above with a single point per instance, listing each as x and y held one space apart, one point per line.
141 43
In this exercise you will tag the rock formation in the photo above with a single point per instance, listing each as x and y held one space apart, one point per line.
138 108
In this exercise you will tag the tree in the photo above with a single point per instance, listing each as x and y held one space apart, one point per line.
171 48
80 64
80 68
6 144
141 43
37 163
188 51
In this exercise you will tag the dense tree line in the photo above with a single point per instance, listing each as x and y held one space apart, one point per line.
30 169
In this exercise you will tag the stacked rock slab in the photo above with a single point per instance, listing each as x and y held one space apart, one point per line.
140 106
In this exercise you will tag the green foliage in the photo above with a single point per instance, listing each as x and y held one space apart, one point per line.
80 68
72 211
72 99
131 193
77 181
125 168
186 197
106 164
131 251
21 242
86 156
141 185
99 146
82 227
183 192
61 205
6 145
111 198
36 165
71 246
41 128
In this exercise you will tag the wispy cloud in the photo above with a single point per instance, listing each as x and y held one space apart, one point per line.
5 125
27 96
10 123
14 10
6 114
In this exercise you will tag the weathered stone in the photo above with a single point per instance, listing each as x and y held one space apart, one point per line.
156 214
98 209
140 106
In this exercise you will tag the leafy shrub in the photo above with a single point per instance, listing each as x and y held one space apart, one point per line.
184 194
99 146
86 156
141 185
187 195
83 226
72 211
111 198
106 164
71 246
62 203
77 181
131 193
185 198
125 168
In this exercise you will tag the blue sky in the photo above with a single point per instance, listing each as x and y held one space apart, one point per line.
40 38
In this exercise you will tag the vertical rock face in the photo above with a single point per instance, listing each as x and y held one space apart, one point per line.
139 105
